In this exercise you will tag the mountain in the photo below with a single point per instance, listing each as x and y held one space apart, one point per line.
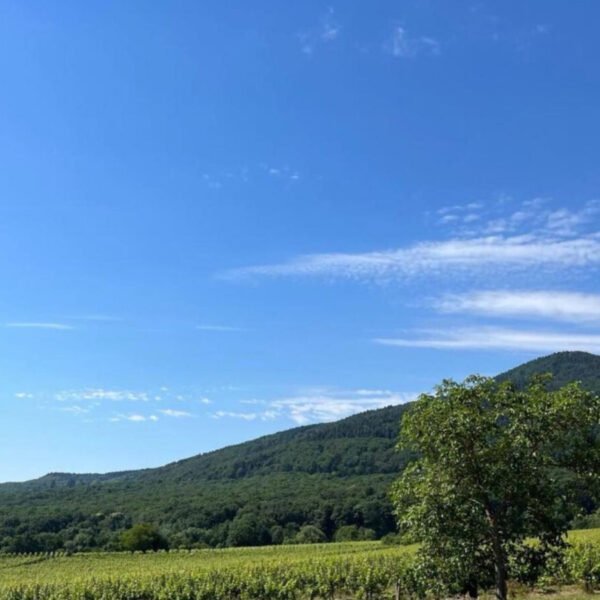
565 368
334 476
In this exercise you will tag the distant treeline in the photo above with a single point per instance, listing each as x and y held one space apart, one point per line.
265 510
353 511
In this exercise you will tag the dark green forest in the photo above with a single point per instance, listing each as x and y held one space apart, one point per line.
318 482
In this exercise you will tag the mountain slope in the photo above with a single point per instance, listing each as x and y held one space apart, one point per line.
331 475
565 367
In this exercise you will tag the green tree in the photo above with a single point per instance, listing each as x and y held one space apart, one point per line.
143 537
496 465
247 529
309 534
353 533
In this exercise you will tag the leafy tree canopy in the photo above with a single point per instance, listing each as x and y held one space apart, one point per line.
309 534
143 537
497 464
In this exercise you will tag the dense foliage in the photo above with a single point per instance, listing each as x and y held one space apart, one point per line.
143 537
334 477
490 476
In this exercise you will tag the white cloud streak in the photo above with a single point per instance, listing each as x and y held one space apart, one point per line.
97 318
564 306
245 416
219 328
532 216
331 407
495 338
176 414
100 394
529 239
38 325
75 409
319 407
439 258
135 418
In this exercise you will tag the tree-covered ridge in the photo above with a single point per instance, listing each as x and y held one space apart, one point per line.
332 476
565 367
362 444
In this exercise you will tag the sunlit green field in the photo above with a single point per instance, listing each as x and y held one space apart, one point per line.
345 570
585 535
108 565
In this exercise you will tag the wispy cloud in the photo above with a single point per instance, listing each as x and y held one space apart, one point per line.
221 178
38 325
439 258
245 416
118 405
92 317
219 328
318 406
326 31
402 45
333 406
536 215
100 394
528 239
75 409
565 306
134 418
494 338
281 172
176 414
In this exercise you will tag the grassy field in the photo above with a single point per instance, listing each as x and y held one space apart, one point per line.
361 570
585 535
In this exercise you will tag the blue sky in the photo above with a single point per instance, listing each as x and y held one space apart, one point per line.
223 219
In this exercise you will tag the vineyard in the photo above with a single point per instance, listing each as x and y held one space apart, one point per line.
367 570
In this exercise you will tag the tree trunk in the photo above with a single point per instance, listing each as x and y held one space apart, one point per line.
472 588
499 555
501 574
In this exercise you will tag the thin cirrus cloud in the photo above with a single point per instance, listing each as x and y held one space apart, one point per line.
134 418
332 407
75 409
99 318
438 258
326 31
402 45
219 328
496 338
100 395
38 325
536 216
531 237
563 306
245 416
176 414
320 406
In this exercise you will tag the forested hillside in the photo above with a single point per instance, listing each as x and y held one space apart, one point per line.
565 368
326 481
